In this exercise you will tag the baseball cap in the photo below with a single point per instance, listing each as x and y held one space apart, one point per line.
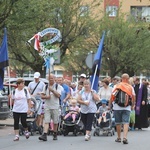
83 75
104 101
37 75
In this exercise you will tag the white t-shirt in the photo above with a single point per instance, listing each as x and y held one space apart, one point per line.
91 108
20 101
117 107
38 89
105 93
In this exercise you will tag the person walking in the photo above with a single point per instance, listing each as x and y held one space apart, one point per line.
51 96
141 108
65 95
105 91
123 97
22 105
86 99
35 88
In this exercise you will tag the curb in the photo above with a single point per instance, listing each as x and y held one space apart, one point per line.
7 125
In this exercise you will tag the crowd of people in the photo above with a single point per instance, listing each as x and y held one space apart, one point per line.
61 92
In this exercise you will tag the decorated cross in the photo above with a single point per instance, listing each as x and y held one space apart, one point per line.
46 48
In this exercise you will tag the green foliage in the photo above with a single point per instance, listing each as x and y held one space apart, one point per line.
126 47
29 17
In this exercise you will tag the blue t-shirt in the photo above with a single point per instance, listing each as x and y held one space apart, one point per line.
64 92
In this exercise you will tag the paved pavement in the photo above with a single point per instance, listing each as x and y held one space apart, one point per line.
137 140
7 122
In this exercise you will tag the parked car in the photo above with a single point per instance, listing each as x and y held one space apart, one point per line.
27 80
4 108
12 83
6 89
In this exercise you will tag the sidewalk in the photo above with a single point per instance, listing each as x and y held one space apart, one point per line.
7 122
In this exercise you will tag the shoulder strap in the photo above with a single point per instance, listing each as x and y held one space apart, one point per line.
14 92
56 86
35 88
25 91
46 87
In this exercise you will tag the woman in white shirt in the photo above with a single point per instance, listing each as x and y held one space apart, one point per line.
21 107
105 91
87 98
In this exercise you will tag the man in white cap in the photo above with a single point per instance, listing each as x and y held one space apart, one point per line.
82 77
35 88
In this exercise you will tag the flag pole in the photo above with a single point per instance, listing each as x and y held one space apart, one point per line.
94 76
9 96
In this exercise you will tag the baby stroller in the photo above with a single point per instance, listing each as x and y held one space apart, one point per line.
75 127
31 118
106 125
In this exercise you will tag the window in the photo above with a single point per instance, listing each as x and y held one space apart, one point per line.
140 12
111 11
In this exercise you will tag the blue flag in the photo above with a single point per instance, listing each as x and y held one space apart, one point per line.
97 64
3 58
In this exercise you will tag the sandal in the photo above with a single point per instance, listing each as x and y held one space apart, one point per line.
118 140
125 141
16 138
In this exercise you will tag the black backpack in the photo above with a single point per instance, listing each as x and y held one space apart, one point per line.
123 99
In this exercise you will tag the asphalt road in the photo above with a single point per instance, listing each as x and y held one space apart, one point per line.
138 140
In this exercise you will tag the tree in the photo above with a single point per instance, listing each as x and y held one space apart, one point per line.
126 45
29 17
6 7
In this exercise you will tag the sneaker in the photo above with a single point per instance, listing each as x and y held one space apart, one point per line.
16 138
27 134
43 137
87 137
54 136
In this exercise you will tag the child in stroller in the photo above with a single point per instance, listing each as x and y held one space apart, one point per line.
104 120
72 120
102 112
73 110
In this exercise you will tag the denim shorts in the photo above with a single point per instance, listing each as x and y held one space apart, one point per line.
122 116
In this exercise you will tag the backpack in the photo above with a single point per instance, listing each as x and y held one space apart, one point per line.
123 99
25 91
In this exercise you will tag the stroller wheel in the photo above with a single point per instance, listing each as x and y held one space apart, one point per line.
65 133
59 133
75 132
20 133
94 134
40 131
32 132
97 134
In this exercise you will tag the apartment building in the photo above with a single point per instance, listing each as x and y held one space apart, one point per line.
139 9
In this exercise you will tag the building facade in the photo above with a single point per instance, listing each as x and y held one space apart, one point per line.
139 9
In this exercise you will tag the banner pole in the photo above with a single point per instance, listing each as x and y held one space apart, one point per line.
9 96
94 76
